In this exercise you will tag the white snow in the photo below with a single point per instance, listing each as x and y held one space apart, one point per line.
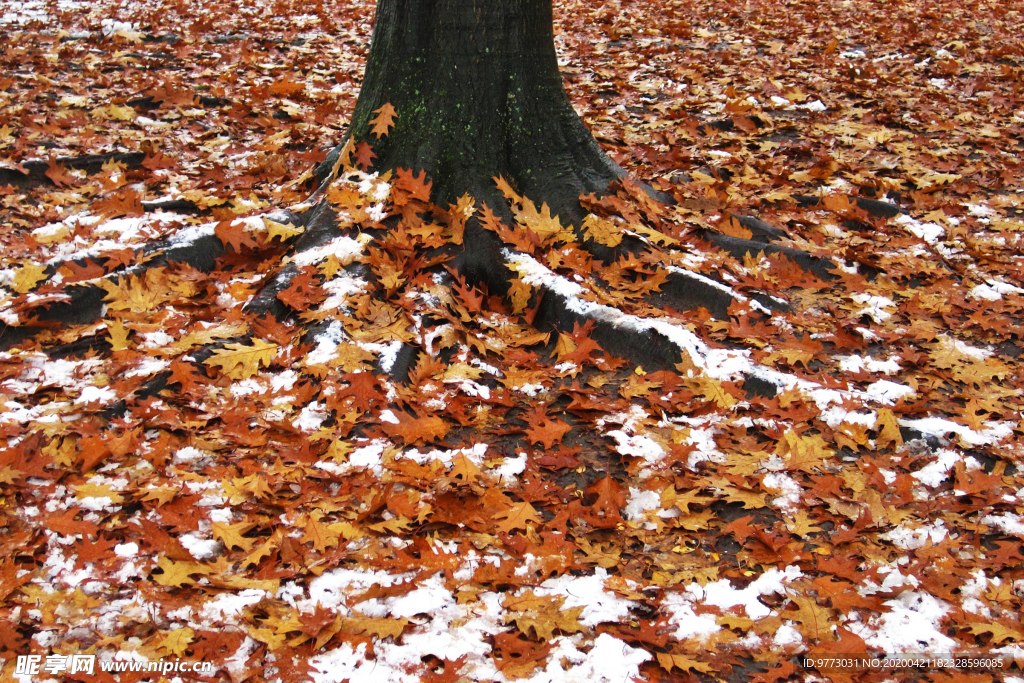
641 502
599 606
199 547
889 366
938 426
911 625
787 489
914 538
931 233
722 594
934 473
637 446
1009 523
311 417
688 624
228 606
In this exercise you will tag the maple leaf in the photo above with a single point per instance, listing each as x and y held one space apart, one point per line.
516 657
59 174
239 361
384 120
378 628
543 430
815 621
1000 632
303 292
605 513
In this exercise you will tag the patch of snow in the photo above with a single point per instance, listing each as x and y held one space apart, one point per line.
311 417
688 624
874 306
788 498
199 547
938 426
342 248
911 625
599 606
932 233
1009 523
228 606
93 394
887 392
815 106
641 502
637 446
189 454
914 538
933 474
721 593
890 366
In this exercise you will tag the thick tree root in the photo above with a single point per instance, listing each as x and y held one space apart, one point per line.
33 171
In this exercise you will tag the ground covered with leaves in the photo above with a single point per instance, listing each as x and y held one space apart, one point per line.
525 506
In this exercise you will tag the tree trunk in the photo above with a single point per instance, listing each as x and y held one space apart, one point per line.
477 91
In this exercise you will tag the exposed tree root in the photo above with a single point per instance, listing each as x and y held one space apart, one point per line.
32 172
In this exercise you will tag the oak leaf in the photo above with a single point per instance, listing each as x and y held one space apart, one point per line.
547 432
178 573
28 276
384 121
176 642
412 429
231 535
516 516
239 361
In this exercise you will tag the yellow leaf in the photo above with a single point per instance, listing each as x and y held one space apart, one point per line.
118 335
178 573
282 230
541 223
239 361
519 293
1000 632
379 628
564 346
176 642
602 231
231 535
28 276
802 452
888 429
713 392
668 660
97 491
136 293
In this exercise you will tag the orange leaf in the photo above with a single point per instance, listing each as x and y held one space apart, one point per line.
384 121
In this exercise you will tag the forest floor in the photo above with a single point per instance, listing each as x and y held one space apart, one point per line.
525 507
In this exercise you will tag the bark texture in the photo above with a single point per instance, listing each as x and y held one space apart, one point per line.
478 94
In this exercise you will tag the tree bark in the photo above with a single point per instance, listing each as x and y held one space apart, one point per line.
478 94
